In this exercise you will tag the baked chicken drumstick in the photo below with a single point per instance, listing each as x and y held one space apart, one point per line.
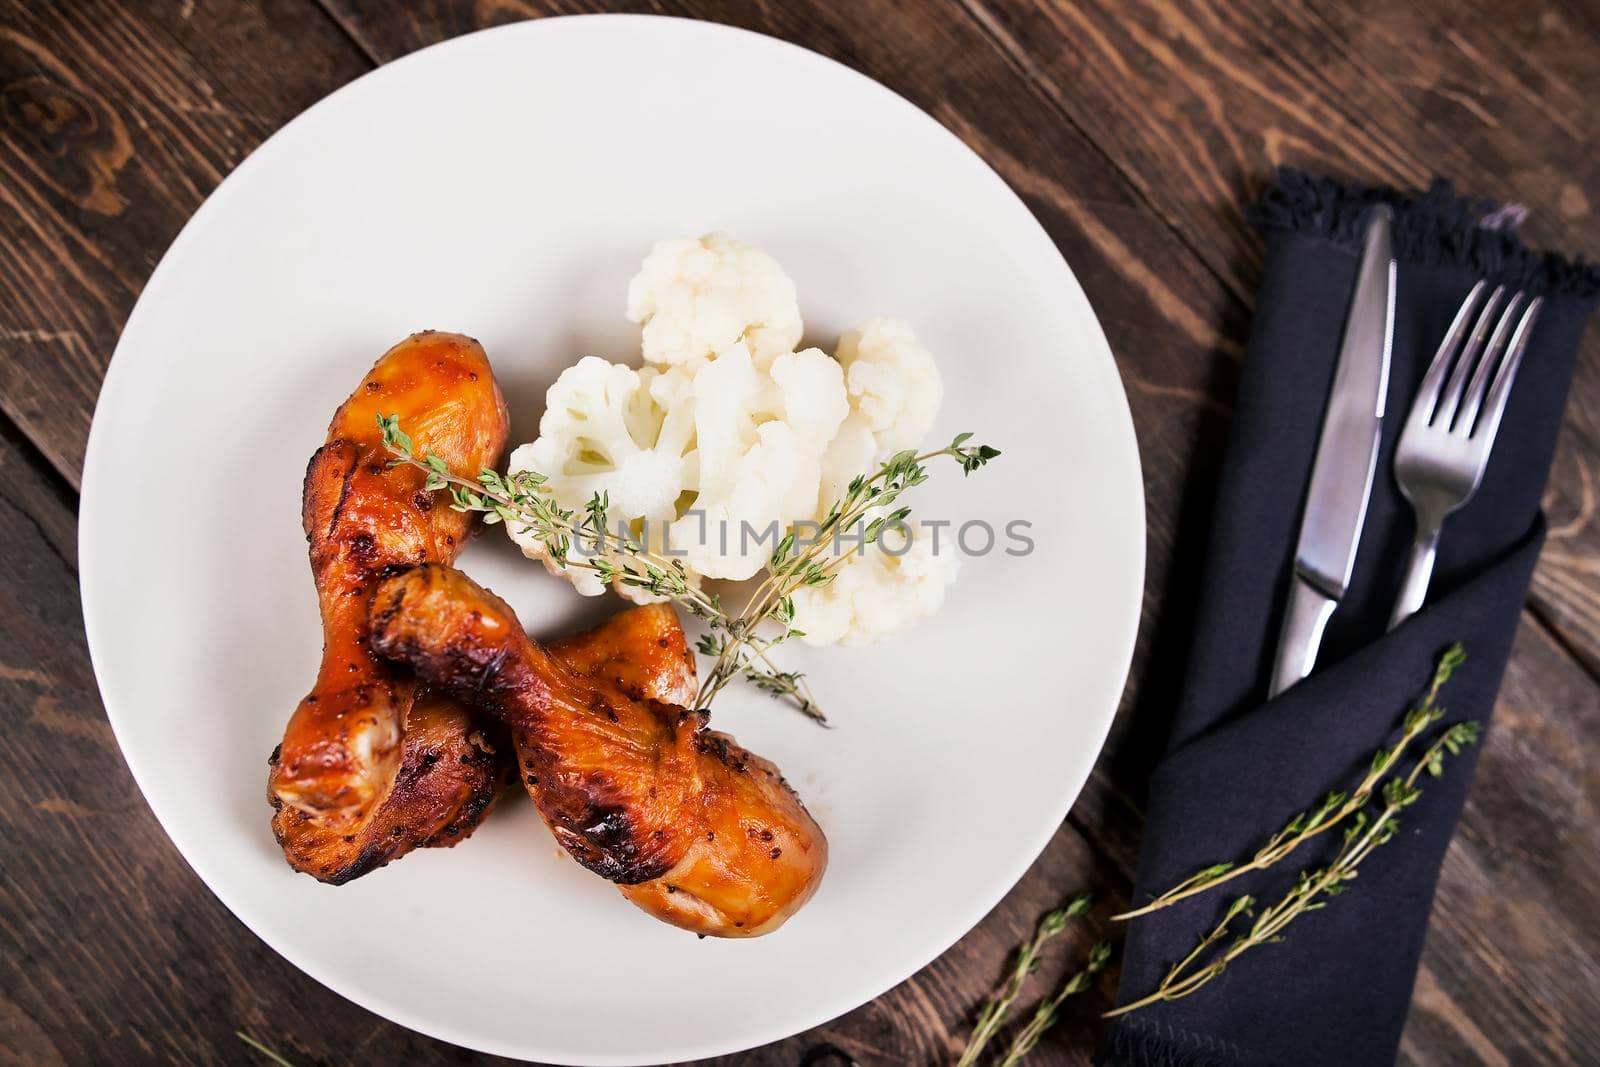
693 828
370 768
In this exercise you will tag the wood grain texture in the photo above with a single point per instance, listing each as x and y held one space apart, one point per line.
1133 132
110 949
115 122
1512 963
1193 103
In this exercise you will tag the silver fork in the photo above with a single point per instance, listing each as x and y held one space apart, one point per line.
1445 444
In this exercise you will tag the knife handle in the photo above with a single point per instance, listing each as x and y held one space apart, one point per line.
1304 618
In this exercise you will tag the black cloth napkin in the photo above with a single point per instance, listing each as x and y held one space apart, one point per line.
1236 767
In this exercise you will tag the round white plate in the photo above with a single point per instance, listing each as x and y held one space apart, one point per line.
506 185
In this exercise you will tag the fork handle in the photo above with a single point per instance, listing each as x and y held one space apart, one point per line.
1419 571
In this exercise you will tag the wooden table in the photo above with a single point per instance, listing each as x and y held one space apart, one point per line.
1134 130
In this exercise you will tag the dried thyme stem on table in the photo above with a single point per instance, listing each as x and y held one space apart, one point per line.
736 644
1044 1016
993 1014
1335 808
263 1049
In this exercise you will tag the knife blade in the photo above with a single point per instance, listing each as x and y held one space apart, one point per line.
1347 456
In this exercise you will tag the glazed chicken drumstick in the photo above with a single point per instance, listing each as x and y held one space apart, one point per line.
693 828
369 768
450 773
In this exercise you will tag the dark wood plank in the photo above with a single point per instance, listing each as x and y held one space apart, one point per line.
1567 581
1194 102
116 122
111 950
1512 966
1173 307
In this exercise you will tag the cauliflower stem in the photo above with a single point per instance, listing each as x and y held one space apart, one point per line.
739 645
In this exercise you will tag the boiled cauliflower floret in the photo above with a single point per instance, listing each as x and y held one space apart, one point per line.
760 438
876 591
688 457
608 428
895 392
893 383
852 451
696 298
728 437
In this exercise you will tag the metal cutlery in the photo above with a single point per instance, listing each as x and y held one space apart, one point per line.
1444 446
1346 459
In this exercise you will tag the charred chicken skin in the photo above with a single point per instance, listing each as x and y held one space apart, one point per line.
692 827
370 768
451 770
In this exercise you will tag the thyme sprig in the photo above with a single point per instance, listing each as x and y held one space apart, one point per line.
992 1016
263 1049
738 645
1044 1016
1336 807
1312 890
798 563
1383 794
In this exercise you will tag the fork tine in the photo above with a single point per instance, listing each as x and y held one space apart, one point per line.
1467 416
1448 401
1500 391
1428 392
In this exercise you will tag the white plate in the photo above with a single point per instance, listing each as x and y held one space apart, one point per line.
506 185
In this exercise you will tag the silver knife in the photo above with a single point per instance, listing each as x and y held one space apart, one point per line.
1347 455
